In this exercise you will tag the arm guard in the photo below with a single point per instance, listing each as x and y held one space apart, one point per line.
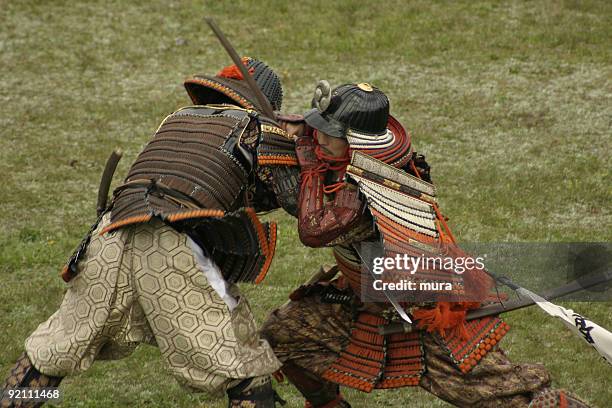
319 222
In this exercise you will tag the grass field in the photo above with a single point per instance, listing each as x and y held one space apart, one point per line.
510 101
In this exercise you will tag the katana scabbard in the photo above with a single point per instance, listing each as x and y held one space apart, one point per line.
593 279
107 177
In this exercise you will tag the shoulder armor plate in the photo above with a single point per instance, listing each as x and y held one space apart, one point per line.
275 146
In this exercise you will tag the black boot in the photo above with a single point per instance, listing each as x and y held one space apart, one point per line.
25 375
254 392
319 393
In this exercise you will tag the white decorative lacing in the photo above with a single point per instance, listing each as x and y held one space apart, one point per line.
363 141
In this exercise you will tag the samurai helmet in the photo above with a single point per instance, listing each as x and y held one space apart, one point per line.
359 113
357 107
229 86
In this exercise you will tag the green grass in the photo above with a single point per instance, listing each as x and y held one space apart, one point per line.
511 102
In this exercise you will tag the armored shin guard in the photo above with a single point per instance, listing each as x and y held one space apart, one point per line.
25 375
550 398
254 392
318 392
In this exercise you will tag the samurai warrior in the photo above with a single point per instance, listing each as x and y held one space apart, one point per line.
361 182
161 263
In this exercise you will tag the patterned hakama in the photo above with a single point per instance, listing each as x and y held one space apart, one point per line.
144 284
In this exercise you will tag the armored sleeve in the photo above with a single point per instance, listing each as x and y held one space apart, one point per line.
321 222
277 167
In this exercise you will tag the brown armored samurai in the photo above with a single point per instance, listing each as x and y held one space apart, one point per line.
160 264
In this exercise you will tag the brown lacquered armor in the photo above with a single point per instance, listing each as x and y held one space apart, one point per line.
319 221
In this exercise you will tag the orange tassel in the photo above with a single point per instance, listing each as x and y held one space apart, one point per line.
562 400
233 72
446 318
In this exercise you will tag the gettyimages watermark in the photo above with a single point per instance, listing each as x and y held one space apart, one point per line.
460 273
406 267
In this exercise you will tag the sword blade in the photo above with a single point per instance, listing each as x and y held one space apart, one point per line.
398 308
261 98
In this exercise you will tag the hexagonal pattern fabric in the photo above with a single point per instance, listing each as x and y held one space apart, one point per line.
142 284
